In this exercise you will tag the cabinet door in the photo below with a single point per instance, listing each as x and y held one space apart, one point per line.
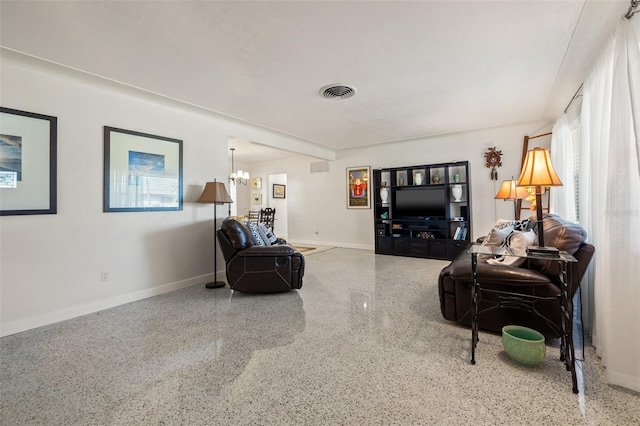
401 245
384 245
419 247
438 248
454 248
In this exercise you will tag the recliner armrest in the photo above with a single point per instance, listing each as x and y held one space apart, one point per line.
460 270
276 250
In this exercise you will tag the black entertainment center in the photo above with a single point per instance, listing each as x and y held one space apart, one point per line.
422 211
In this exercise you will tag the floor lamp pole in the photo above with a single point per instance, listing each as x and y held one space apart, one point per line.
539 216
215 283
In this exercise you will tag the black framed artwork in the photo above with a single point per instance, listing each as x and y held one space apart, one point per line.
142 172
279 191
28 163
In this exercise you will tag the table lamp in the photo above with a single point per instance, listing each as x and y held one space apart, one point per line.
538 172
215 193
510 191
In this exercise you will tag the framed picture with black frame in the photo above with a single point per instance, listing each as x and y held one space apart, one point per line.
279 191
142 172
28 163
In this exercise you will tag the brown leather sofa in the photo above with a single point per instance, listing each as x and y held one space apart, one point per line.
535 277
258 269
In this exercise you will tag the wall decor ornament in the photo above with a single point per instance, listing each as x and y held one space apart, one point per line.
28 163
493 160
358 195
456 191
418 178
256 183
384 193
279 191
142 172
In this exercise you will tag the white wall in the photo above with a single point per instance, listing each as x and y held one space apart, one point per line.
50 265
317 211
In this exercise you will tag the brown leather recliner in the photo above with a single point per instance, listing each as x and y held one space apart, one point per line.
258 269
535 277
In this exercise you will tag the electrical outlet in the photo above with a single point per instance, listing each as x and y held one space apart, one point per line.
104 276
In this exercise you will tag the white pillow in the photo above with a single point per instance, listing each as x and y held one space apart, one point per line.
517 241
496 236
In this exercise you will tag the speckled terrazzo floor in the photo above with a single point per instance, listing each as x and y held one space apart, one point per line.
362 343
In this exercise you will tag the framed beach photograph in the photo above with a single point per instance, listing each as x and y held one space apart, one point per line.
28 163
279 191
142 172
358 194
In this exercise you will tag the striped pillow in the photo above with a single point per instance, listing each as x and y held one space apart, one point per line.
268 236
255 235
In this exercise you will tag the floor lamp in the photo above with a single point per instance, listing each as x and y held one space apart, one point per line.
538 172
215 193
510 191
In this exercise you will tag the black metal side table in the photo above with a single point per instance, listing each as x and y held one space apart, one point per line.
527 302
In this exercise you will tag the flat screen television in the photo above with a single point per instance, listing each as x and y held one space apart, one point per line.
420 203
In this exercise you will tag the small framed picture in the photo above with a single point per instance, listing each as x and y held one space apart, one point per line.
256 199
279 190
358 196
256 183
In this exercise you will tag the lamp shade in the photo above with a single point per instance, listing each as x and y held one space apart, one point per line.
538 170
215 193
510 191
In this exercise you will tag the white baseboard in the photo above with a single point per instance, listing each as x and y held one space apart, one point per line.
333 244
89 308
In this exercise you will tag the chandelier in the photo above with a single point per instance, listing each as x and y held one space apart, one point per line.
239 176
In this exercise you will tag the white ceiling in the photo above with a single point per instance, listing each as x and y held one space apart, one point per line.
420 68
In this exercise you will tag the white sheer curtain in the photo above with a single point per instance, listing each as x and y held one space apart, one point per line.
563 198
610 201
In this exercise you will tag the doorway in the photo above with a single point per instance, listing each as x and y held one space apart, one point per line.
280 204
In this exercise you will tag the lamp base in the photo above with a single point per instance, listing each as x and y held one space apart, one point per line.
216 284
543 251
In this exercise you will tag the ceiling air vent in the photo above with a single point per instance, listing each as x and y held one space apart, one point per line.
337 91
319 167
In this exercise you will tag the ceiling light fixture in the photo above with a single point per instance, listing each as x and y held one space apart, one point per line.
337 91
239 176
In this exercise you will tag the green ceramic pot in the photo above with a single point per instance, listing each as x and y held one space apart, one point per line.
523 345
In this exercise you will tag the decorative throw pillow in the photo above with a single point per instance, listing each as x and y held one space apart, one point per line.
255 234
517 241
518 225
502 223
496 236
266 234
521 225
